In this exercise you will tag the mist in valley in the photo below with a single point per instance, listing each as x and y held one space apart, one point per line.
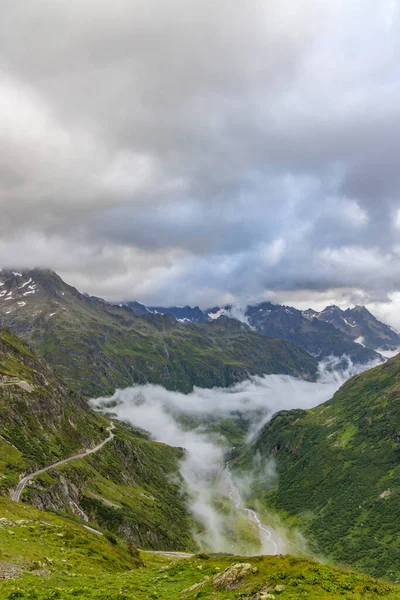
198 422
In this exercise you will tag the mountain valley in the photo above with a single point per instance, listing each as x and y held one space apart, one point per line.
194 396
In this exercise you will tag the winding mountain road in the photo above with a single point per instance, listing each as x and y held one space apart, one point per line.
169 554
17 494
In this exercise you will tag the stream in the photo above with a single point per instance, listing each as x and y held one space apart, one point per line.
270 546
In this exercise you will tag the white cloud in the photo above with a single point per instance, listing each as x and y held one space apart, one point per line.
255 166
160 412
353 212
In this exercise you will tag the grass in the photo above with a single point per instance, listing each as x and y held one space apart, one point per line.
49 557
131 487
339 471
96 347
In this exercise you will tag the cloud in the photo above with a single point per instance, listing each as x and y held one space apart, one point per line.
191 421
165 415
202 152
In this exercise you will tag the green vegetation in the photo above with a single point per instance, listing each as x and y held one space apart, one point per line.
41 420
96 347
131 487
46 557
98 356
339 471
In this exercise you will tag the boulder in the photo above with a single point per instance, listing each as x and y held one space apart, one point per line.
232 577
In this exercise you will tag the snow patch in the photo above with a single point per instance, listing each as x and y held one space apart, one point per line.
25 284
347 323
360 340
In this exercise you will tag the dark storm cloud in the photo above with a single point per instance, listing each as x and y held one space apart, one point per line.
191 151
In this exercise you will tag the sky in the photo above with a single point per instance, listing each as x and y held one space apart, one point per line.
204 152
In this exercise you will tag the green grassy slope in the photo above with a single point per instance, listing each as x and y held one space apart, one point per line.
96 356
41 420
96 346
339 471
46 557
131 487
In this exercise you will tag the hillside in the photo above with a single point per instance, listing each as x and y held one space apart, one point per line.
96 346
130 487
355 333
47 557
41 420
339 471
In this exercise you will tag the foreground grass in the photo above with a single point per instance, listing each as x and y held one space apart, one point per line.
45 557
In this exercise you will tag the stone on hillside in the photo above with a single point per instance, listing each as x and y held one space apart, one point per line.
232 577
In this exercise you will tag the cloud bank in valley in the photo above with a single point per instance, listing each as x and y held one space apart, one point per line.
164 414
202 152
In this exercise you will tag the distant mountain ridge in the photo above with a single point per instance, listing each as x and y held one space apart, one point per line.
359 324
182 314
354 332
97 346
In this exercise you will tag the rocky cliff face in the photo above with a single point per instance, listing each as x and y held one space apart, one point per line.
359 325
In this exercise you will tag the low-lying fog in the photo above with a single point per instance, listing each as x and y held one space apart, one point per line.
184 420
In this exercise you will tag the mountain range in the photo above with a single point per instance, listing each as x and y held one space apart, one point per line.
337 464
341 488
353 332
97 346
